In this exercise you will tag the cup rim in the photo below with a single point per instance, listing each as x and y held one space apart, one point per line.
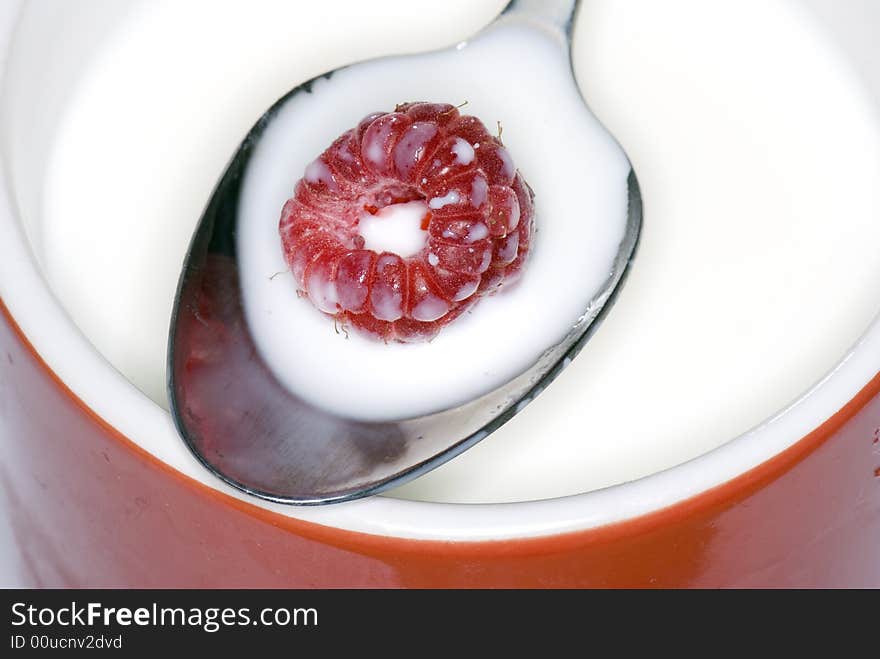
29 305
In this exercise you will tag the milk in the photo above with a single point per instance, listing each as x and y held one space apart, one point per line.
757 153
577 171
396 228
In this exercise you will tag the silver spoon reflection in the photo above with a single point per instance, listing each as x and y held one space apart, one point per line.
250 430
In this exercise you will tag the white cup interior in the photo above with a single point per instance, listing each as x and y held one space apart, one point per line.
51 50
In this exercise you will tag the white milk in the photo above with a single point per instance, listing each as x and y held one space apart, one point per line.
757 152
577 172
396 228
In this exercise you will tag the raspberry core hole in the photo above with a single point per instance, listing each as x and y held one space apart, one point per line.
397 228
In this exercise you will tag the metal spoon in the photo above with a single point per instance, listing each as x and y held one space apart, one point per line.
255 434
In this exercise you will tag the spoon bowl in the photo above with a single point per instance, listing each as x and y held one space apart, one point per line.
259 426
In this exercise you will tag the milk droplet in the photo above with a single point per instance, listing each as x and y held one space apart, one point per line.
464 152
477 232
451 197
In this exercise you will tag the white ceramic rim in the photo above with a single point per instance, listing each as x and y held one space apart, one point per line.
74 360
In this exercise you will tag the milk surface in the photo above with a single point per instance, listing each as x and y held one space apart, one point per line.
577 171
756 149
396 228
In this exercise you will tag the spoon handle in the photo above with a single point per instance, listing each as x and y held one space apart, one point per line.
557 14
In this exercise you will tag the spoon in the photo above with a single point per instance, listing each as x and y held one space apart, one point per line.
255 433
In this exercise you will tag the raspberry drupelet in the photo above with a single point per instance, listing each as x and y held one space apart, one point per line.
478 221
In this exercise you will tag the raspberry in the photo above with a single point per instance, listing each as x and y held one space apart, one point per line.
478 223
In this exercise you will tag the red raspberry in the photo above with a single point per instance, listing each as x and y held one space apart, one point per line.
478 225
